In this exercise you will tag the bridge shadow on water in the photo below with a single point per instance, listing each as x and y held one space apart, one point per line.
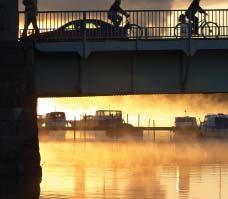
19 187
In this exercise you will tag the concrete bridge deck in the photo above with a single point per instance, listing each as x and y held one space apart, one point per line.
85 49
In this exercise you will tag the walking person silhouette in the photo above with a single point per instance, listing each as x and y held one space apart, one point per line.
31 12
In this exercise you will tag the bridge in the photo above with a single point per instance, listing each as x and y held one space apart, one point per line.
80 53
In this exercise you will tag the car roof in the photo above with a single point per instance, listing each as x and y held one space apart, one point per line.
96 21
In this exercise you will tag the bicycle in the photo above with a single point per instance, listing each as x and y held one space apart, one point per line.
207 29
134 30
131 31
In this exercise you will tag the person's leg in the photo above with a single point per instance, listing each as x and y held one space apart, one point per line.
34 23
119 20
115 21
196 24
26 25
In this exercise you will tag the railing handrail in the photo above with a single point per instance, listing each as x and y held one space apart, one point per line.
131 10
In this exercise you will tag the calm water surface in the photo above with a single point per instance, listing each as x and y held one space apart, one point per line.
120 169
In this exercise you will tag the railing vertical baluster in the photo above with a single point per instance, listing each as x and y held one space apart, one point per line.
84 27
169 24
142 24
46 21
226 20
159 24
163 24
223 23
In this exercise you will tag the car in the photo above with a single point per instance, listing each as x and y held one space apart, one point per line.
90 29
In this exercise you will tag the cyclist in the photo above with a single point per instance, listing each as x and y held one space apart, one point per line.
191 12
114 13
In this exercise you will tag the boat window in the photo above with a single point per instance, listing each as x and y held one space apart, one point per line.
185 120
221 123
56 115
107 113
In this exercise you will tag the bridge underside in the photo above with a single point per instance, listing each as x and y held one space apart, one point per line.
130 72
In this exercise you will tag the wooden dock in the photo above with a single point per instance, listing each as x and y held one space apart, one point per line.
156 128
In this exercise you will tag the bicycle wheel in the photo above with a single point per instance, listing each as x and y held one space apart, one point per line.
210 30
181 30
135 31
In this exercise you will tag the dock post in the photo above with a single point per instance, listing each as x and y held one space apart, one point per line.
138 120
74 129
84 129
154 129
149 128
127 118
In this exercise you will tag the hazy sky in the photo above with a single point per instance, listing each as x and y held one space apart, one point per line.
127 4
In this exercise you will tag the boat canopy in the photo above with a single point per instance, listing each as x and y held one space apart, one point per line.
219 121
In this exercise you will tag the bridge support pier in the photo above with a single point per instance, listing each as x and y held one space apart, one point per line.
19 146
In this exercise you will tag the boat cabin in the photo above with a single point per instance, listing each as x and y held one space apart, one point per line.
109 118
215 125
185 122
55 120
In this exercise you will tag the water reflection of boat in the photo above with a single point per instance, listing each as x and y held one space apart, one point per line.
215 126
125 131
186 127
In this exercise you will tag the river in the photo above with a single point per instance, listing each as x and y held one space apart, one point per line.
129 169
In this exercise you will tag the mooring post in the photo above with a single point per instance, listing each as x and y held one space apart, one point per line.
74 129
154 129
149 128
138 120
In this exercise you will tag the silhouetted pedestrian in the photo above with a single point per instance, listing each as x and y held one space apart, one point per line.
31 12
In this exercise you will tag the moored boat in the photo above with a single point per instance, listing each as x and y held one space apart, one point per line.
186 127
215 125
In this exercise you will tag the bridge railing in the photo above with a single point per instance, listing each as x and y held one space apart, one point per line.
143 25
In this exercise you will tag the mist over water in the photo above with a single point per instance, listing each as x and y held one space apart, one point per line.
161 108
134 170
127 168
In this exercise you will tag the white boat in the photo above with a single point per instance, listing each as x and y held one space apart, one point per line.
215 126
186 127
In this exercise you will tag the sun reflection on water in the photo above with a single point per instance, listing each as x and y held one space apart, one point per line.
134 170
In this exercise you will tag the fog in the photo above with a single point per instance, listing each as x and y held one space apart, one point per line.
135 155
161 108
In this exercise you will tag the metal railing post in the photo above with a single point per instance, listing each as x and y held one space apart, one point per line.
84 33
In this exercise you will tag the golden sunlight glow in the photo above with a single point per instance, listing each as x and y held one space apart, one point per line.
161 108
